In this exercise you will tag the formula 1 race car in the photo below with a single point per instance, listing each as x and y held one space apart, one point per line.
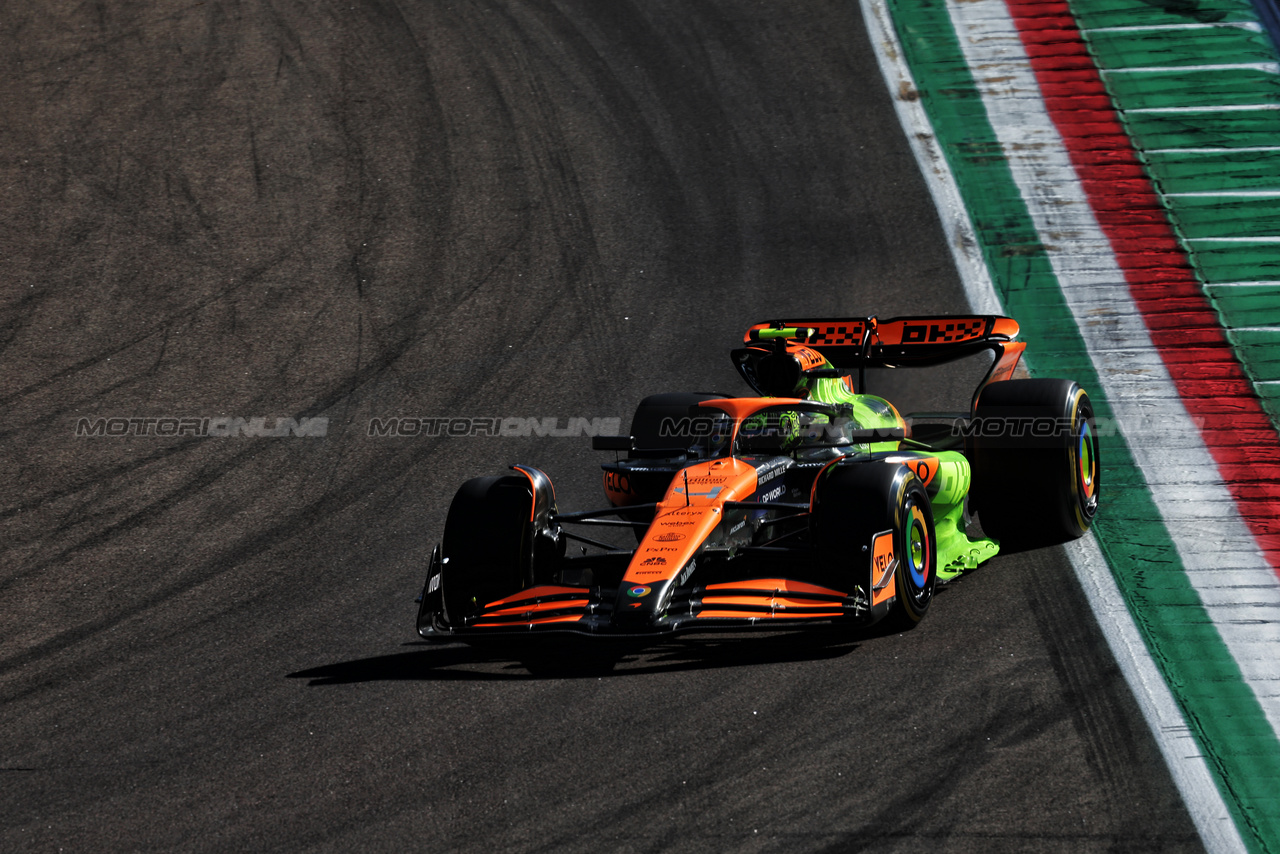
808 503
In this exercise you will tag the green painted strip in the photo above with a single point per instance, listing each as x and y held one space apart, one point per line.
1204 88
1219 216
1270 395
1184 644
1247 306
1197 170
1235 129
1205 172
1263 348
1197 218
1234 262
1132 13
1151 48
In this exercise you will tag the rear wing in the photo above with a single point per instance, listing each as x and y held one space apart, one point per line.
852 344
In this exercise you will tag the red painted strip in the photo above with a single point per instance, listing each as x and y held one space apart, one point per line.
1037 9
1075 90
1235 429
1079 107
1262 491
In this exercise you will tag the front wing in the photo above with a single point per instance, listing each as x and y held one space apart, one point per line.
758 599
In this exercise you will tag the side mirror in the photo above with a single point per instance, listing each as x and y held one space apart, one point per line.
611 443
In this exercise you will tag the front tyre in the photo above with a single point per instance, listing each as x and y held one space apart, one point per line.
487 548
873 521
917 572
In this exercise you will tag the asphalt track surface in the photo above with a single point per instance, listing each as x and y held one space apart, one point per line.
365 210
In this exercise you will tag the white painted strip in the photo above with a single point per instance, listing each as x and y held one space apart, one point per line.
987 44
1226 194
1220 108
1273 284
1181 753
1244 149
1252 26
1267 67
1255 329
984 31
1259 239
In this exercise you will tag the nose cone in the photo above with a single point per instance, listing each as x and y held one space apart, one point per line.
689 513
669 546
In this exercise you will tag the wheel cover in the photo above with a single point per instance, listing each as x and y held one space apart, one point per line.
1087 461
918 550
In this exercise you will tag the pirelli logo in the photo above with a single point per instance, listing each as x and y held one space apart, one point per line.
938 332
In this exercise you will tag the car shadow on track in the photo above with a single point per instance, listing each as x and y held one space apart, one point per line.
460 662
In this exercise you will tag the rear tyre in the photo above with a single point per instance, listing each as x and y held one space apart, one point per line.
1036 472
657 435
652 430
488 544
854 504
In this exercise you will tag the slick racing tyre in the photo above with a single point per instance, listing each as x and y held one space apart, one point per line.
652 426
854 507
1036 472
662 432
488 544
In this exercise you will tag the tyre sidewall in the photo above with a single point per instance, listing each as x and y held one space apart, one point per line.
852 505
487 545
1032 488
